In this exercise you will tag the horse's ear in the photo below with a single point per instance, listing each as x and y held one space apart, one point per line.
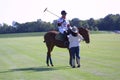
86 28
80 27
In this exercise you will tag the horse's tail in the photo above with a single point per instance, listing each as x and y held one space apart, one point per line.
44 41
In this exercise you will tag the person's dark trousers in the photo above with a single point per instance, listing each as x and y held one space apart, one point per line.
75 53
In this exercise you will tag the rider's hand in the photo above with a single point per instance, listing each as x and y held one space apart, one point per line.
68 25
59 24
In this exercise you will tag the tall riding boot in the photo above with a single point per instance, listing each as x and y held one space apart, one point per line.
66 43
73 63
78 62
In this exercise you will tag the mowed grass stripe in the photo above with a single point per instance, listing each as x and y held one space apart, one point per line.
15 51
8 64
102 54
17 58
27 55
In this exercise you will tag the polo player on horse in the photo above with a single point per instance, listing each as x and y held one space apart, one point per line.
63 24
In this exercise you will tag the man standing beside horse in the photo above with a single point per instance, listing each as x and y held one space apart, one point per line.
74 45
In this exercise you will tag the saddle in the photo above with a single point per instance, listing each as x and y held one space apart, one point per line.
60 37
63 38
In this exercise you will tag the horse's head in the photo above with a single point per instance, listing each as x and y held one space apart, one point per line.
85 34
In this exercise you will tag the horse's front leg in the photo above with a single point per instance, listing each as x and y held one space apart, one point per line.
70 58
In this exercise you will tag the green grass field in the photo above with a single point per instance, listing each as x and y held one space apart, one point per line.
23 57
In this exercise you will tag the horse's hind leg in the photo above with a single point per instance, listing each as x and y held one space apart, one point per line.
50 48
49 59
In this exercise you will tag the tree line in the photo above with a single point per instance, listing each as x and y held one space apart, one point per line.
109 23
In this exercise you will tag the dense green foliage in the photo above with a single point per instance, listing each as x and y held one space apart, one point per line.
22 57
110 22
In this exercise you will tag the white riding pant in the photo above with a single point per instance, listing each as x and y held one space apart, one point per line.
62 29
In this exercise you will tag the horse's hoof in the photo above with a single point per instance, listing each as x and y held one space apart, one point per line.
70 65
47 64
52 65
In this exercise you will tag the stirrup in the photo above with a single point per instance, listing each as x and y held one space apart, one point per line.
66 43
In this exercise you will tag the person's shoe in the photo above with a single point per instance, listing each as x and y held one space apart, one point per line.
73 63
78 66
73 66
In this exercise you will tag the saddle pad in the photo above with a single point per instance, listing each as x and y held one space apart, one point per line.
59 37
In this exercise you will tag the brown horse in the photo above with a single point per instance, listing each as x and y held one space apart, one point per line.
50 40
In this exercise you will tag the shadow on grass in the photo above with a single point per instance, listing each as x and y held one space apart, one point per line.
37 69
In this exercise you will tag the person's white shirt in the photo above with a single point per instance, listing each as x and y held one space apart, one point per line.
64 24
74 41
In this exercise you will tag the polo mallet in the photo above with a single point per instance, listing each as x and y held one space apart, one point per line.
50 12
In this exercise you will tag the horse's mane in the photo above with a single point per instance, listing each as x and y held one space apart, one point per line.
53 31
81 29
